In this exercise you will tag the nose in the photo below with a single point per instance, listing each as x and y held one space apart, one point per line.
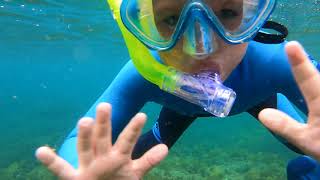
199 39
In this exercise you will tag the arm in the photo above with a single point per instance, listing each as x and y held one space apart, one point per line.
167 130
292 95
124 94
278 78
304 135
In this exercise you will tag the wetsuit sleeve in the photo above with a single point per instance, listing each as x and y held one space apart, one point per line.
167 130
127 94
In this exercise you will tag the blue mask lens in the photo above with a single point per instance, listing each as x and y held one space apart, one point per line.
159 24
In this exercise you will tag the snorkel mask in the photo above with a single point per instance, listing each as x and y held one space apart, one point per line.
199 24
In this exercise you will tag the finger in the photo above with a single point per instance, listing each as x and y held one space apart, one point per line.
102 129
306 75
150 159
84 147
282 124
54 163
129 136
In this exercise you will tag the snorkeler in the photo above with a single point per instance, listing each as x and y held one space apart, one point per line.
204 58
99 159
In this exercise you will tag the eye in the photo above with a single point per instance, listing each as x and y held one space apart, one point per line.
228 14
171 21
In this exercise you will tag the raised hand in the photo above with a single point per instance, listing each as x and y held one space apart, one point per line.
305 136
98 158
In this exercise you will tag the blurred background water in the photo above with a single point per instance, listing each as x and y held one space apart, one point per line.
57 57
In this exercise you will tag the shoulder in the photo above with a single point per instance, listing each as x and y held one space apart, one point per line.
129 76
268 60
262 53
129 82
260 60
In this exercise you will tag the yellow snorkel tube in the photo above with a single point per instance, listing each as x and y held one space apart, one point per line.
205 91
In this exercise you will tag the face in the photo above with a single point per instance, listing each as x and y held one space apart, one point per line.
225 58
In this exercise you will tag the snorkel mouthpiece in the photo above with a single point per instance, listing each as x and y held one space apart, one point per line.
205 90
198 38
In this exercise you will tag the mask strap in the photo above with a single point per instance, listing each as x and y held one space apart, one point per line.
272 38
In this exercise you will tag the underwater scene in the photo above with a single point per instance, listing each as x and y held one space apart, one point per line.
58 57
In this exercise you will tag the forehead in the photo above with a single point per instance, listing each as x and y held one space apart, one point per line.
176 3
216 5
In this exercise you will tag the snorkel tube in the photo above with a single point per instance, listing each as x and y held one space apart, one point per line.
205 90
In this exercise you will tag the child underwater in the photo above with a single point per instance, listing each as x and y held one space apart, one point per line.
203 58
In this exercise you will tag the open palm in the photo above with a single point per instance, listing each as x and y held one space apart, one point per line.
98 158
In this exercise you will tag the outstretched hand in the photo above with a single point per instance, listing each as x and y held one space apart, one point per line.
98 158
305 136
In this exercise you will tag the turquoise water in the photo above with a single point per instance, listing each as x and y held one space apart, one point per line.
57 57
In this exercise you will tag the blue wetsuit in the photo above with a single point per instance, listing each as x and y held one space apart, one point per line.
262 79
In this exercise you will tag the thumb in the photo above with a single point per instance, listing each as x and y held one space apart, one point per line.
54 163
281 124
150 159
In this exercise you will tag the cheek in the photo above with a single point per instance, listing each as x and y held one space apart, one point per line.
176 58
238 51
230 57
230 52
171 57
